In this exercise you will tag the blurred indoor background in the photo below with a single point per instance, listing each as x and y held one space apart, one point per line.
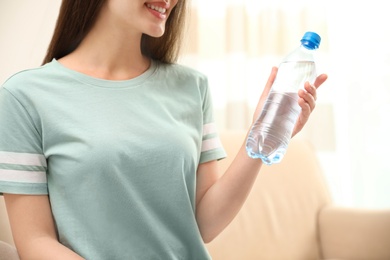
236 42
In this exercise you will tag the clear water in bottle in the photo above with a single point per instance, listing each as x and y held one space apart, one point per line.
271 133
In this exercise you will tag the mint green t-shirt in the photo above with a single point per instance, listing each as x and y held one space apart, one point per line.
117 158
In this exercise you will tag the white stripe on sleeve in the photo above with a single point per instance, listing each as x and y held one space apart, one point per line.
23 159
209 128
22 176
211 144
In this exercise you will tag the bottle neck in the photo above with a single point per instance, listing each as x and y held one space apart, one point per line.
300 54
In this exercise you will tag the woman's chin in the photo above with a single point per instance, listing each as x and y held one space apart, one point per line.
156 32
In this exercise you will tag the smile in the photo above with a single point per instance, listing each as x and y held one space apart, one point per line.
157 8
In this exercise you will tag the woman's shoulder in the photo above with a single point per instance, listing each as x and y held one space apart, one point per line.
27 76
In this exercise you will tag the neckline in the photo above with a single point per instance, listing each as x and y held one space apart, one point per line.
86 79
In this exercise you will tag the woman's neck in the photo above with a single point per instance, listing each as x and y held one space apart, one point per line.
108 52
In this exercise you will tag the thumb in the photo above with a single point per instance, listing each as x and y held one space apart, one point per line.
265 92
268 85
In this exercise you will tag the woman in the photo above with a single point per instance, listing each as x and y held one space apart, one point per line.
111 148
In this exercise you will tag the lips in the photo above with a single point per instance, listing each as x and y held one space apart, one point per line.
159 9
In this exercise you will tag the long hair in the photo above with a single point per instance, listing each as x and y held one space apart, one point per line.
76 18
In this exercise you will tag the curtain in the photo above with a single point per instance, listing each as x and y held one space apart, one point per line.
237 42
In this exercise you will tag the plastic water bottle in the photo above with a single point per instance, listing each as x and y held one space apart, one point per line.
271 133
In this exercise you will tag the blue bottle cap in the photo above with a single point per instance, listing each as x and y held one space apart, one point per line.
311 40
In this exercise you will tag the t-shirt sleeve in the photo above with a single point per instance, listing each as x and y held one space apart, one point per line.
212 148
22 163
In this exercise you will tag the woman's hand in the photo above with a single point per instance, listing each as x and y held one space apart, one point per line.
307 99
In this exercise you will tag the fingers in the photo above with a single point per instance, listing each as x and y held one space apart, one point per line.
311 90
307 108
307 101
319 80
309 94
308 97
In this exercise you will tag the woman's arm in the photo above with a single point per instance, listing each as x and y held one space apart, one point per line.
33 228
219 199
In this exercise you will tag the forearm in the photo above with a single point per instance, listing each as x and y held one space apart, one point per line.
219 201
34 230
224 199
46 248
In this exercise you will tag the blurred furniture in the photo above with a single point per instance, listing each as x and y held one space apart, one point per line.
289 215
8 252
